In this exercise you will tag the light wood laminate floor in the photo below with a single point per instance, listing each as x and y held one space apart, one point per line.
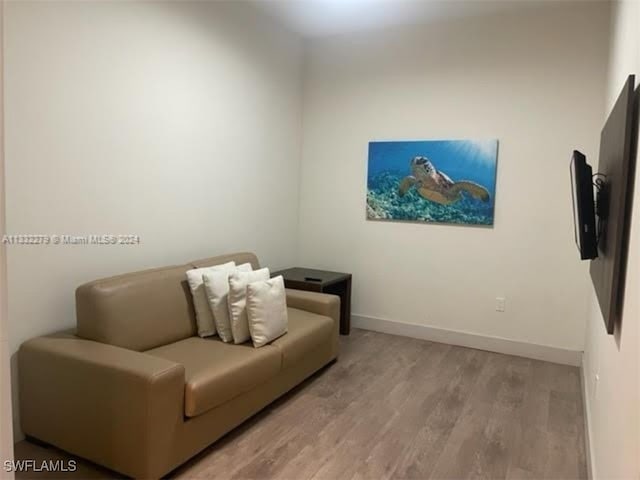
396 407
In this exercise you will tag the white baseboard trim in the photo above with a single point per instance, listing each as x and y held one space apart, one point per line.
471 340
588 434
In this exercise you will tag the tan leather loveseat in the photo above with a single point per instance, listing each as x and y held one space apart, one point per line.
134 389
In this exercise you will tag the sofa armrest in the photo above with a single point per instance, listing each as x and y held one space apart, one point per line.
114 406
314 302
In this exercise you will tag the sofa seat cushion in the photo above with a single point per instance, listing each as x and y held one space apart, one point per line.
216 372
305 331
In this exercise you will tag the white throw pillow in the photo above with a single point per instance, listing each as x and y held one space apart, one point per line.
204 317
216 285
238 282
267 310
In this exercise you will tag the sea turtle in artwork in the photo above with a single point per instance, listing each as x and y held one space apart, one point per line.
436 186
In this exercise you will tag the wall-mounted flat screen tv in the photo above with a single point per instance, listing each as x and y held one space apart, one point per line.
616 167
584 219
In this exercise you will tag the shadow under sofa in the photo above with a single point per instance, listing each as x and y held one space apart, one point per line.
134 388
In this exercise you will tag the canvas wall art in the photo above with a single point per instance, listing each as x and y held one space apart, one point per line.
440 181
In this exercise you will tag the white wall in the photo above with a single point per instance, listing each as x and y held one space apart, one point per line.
179 122
6 428
613 402
534 80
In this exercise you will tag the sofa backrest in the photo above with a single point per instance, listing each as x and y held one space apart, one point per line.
143 310
239 258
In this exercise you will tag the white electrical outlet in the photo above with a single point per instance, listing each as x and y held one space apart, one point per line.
500 304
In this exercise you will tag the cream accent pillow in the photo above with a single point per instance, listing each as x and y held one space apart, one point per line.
238 282
216 286
204 317
267 310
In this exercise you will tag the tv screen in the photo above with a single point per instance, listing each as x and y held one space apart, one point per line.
583 208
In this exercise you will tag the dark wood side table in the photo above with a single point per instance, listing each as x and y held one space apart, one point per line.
322 281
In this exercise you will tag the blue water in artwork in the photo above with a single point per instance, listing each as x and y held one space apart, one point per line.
457 185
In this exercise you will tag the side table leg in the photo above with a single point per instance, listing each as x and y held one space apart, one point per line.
345 309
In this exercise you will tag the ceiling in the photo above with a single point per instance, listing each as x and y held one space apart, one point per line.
318 18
